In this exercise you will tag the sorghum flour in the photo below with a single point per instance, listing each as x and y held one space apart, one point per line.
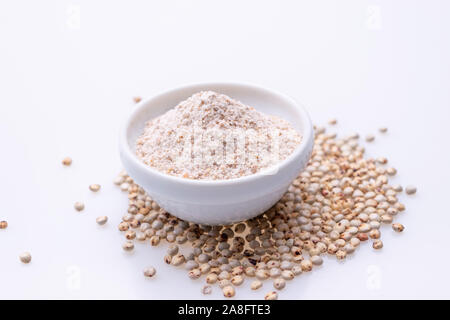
212 136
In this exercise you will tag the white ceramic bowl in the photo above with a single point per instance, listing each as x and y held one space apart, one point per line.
217 201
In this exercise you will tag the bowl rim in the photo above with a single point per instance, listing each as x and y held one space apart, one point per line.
307 136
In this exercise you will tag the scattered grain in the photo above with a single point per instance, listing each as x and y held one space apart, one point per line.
377 244
228 292
256 284
124 226
25 257
194 274
211 278
94 187
375 234
316 260
237 280
128 246
206 289
279 283
306 265
336 203
67 161
410 189
272 295
149 272
79 206
391 172
101 220
398 227
370 138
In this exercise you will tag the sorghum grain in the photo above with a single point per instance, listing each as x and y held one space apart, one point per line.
377 244
398 227
410 190
279 283
79 206
94 187
207 289
149 272
25 257
256 284
128 246
101 220
228 292
67 161
272 295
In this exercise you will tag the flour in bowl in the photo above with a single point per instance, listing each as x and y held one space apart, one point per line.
211 136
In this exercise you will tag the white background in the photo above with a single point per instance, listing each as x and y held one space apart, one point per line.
69 70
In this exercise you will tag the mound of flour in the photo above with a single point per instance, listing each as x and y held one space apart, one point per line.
212 136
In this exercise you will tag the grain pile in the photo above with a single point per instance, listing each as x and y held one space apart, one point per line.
211 136
338 202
